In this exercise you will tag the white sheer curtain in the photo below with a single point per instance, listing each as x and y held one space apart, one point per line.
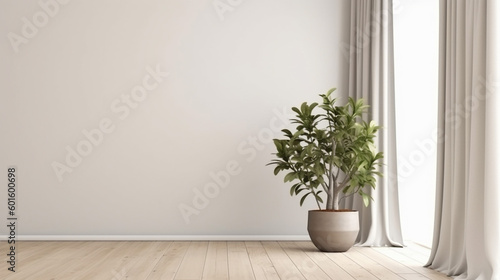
371 76
467 224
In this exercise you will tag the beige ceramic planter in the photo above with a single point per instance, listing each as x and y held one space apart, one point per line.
333 231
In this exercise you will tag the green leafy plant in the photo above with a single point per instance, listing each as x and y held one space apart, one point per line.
330 152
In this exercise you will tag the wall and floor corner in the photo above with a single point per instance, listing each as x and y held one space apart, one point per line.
154 119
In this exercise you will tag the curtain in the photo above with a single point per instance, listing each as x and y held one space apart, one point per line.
371 77
467 220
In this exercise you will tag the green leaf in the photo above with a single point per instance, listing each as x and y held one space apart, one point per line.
293 189
290 177
278 144
304 108
277 170
297 191
318 198
304 198
287 133
366 200
330 92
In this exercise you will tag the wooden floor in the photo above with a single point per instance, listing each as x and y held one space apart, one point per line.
211 260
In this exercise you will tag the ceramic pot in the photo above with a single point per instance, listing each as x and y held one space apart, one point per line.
333 231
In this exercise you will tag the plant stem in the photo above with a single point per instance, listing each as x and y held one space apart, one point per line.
332 180
325 187
317 202
336 200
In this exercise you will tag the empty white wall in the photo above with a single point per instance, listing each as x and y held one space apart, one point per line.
416 28
118 113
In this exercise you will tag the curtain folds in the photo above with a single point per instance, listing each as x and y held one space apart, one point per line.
467 220
371 76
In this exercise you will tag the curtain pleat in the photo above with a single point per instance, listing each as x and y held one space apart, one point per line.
492 146
466 232
371 76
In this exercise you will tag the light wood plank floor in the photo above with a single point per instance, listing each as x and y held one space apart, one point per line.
211 260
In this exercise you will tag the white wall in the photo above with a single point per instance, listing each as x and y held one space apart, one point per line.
234 70
416 31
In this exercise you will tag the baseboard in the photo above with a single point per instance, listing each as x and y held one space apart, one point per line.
158 237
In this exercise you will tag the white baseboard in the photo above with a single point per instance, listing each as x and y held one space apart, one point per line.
158 237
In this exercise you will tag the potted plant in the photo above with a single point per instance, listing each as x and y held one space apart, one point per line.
330 153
